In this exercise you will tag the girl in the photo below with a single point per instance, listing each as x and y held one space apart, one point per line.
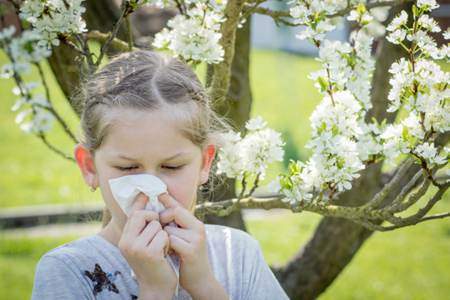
146 112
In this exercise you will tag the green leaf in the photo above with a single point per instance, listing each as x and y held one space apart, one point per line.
415 10
323 83
335 130
322 127
361 8
405 133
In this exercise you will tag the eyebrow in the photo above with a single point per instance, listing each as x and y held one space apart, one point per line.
169 158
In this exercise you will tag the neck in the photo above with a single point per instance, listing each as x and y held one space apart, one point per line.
112 232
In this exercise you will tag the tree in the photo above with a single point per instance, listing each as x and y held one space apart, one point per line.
353 132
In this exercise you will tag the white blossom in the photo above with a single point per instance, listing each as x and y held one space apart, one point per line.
260 147
308 12
427 4
429 23
394 142
429 152
51 18
7 33
194 36
398 21
397 36
446 34
230 161
41 120
256 123
26 48
412 123
361 16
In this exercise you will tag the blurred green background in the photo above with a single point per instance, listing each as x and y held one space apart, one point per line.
410 263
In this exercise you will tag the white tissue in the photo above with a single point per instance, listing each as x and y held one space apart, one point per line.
126 188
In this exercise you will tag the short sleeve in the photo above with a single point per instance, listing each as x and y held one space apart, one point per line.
262 283
54 279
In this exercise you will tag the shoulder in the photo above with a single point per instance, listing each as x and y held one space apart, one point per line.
58 273
231 244
222 233
69 251
238 263
67 259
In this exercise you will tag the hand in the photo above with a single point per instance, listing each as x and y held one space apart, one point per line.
144 245
189 242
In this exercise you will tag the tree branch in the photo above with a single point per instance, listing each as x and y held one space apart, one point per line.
51 108
115 43
367 215
126 10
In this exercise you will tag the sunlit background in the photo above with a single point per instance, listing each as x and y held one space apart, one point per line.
410 263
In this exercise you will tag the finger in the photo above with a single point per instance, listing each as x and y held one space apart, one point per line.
182 217
137 222
185 234
180 246
139 203
159 244
149 232
168 201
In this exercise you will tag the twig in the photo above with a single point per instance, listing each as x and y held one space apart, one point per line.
41 135
126 10
255 185
102 37
82 39
27 96
130 34
51 108
381 195
244 186
65 40
424 210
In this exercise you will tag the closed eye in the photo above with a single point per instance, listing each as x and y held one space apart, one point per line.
134 167
126 169
173 168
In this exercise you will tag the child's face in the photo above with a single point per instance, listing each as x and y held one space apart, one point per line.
149 139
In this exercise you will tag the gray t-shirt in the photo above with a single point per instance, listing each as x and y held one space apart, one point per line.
93 268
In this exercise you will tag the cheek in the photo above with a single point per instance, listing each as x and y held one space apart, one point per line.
181 187
104 175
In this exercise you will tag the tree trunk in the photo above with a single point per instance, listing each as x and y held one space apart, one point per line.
237 108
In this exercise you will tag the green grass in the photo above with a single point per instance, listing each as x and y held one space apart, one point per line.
18 258
411 263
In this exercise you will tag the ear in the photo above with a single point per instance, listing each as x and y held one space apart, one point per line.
85 161
207 157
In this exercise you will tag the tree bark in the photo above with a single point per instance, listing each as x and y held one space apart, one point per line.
237 108
322 259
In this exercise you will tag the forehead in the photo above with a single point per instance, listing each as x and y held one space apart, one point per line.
141 133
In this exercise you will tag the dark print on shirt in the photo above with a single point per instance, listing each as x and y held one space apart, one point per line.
102 280
133 297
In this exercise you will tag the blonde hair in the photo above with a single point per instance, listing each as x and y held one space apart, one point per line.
148 80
